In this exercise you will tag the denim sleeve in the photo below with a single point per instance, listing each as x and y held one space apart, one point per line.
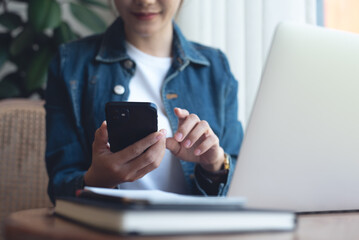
232 133
65 156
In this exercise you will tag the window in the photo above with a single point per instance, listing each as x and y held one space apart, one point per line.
339 14
243 29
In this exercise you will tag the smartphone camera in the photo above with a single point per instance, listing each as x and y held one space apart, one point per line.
121 114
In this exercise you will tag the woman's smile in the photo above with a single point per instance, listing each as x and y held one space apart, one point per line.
145 16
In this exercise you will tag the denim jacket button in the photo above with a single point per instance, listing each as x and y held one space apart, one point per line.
128 64
119 89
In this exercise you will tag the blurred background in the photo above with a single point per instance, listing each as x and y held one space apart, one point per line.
30 33
31 30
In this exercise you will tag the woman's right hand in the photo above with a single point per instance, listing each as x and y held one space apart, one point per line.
109 169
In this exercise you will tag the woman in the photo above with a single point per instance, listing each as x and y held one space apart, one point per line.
142 56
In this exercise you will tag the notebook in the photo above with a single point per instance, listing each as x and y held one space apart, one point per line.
301 146
153 212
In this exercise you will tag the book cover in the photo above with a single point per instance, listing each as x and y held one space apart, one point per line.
139 216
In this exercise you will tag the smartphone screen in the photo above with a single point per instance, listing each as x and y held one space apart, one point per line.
129 122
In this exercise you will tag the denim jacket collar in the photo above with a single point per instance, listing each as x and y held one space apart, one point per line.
112 47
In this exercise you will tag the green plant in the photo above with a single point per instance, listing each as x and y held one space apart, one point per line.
30 44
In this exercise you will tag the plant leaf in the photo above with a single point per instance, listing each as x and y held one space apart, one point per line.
4 47
63 34
21 41
8 87
44 14
10 20
88 18
37 69
95 3
22 60
3 55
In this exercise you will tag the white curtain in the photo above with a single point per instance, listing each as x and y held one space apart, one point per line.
243 29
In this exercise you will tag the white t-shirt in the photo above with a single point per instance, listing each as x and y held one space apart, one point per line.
145 86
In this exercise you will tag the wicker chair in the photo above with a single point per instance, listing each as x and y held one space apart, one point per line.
23 178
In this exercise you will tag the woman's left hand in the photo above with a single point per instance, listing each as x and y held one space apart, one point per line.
195 141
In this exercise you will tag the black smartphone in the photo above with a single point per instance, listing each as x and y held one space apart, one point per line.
128 122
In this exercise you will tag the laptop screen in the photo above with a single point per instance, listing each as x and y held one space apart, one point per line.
300 150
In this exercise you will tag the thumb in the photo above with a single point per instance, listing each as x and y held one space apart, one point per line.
101 138
173 145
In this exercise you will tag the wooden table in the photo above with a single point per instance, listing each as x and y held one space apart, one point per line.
41 224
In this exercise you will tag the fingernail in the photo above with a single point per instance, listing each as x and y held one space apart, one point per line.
187 143
179 109
159 136
178 136
163 131
104 123
197 152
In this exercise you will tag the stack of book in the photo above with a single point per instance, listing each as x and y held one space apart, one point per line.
158 213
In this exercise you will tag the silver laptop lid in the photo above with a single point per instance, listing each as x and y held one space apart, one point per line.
301 147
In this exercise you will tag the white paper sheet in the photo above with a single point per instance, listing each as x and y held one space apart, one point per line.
161 197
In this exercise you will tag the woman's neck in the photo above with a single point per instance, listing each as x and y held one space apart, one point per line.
159 45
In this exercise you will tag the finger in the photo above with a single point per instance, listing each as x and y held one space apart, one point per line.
173 146
201 128
208 142
186 127
181 113
154 156
140 146
150 159
101 138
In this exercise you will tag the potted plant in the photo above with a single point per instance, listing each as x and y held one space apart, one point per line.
30 43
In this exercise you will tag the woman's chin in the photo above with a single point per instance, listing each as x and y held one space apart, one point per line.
145 32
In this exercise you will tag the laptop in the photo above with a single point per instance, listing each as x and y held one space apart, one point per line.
301 147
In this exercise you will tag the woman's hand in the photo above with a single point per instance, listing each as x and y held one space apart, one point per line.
195 141
109 169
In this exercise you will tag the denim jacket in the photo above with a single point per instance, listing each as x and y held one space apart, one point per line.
82 78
